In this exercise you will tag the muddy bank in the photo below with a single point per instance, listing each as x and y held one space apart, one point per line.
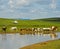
52 44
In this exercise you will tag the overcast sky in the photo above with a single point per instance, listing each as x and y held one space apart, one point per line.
29 9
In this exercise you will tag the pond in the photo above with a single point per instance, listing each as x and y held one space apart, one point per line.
16 41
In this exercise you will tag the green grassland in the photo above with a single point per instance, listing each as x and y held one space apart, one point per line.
55 44
38 23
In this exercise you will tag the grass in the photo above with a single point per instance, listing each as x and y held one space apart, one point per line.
27 24
55 44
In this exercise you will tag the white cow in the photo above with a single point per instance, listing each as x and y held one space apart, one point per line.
46 28
49 29
38 29
13 28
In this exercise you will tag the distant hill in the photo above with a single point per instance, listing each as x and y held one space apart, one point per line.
45 19
50 19
22 19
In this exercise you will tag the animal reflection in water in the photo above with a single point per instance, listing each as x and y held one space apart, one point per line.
53 35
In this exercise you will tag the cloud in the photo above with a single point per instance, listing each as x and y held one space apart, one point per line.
43 2
21 2
18 3
33 10
53 6
56 13
10 3
2 6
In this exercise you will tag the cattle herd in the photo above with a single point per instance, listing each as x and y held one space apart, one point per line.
38 30
32 30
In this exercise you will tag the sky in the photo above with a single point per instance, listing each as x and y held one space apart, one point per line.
29 9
